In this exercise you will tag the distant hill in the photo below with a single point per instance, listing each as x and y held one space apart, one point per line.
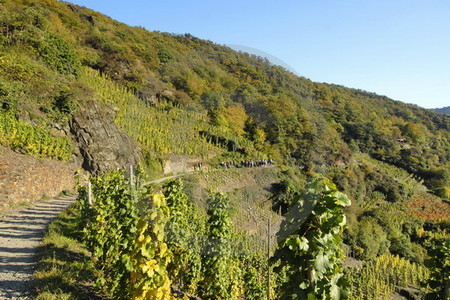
443 110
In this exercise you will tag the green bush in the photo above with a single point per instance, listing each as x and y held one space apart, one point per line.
7 101
59 54
438 180
370 240
309 244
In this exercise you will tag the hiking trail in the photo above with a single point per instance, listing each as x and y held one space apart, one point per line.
21 234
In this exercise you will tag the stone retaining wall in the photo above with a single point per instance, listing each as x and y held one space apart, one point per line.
25 178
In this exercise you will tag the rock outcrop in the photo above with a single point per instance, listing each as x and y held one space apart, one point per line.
102 145
177 164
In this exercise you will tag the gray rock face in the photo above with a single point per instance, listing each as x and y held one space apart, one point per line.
177 164
102 145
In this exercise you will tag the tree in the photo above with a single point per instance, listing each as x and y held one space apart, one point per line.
370 240
236 117
309 244
412 130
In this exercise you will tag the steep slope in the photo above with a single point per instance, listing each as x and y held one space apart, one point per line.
290 117
163 96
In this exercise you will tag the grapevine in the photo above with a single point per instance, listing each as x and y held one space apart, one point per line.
150 255
183 230
110 229
309 247
216 256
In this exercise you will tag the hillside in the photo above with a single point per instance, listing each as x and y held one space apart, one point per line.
81 88
80 56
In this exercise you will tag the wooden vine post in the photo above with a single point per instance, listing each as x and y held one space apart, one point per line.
90 200
268 258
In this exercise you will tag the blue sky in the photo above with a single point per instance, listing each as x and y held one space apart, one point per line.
397 48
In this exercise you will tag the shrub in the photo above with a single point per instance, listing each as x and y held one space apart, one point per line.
309 244
58 54
370 239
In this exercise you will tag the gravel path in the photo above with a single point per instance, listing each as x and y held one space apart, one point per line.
159 180
20 237
21 233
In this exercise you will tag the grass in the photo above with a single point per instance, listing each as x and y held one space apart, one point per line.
64 268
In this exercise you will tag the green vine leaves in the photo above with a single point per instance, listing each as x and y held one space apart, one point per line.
309 244
127 244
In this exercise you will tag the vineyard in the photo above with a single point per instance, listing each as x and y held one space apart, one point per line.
175 101
143 242
428 207
26 138
162 128
381 277
161 245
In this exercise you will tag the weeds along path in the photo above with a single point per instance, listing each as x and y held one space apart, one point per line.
159 180
20 237
162 179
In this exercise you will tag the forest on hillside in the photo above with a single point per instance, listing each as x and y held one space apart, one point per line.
175 94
